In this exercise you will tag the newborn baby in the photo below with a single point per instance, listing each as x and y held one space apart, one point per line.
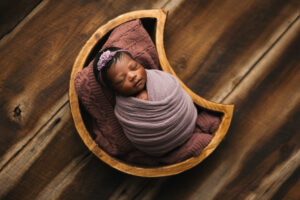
156 114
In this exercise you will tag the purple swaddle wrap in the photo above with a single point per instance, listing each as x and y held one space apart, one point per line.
162 123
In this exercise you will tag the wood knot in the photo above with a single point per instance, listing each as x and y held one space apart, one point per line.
181 63
17 111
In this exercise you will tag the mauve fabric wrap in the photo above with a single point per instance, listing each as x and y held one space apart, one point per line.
163 122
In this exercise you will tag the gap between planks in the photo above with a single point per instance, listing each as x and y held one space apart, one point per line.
14 170
167 4
260 58
18 27
64 178
272 182
44 121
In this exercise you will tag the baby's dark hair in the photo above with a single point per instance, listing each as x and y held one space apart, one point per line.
104 70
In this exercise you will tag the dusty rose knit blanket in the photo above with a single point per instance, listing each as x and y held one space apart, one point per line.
163 122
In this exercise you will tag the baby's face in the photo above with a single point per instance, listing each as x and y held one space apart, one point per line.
127 76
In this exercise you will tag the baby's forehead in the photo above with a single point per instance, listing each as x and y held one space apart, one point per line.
120 66
124 61
126 58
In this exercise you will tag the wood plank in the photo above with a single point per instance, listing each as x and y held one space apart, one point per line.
91 180
290 190
261 152
52 161
217 43
42 158
13 12
137 187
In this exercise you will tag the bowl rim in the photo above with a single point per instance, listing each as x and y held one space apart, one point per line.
159 171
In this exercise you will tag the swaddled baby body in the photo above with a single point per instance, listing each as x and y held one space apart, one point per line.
156 114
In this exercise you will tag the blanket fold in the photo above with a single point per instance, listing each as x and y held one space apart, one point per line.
163 122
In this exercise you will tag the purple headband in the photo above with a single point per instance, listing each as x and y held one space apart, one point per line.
106 57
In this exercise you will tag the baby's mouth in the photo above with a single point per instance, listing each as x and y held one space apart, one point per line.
138 82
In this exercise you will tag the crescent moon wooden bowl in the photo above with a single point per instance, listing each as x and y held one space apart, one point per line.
159 17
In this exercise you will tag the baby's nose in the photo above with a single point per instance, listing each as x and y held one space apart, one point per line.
131 76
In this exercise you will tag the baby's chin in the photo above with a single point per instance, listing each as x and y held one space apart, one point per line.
140 90
134 91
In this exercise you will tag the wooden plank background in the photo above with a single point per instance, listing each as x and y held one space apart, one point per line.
235 52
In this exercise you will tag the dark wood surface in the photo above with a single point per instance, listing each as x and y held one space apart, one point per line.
235 52
13 12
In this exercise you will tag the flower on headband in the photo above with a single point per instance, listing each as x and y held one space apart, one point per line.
105 58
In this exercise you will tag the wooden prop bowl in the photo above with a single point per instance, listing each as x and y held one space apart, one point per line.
227 110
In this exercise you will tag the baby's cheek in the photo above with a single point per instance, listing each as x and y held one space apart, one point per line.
125 90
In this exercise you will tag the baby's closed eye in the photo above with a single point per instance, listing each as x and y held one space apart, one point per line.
134 67
120 81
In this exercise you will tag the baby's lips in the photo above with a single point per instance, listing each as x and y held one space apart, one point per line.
138 82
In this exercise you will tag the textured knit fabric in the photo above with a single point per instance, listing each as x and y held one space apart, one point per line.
133 38
163 122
